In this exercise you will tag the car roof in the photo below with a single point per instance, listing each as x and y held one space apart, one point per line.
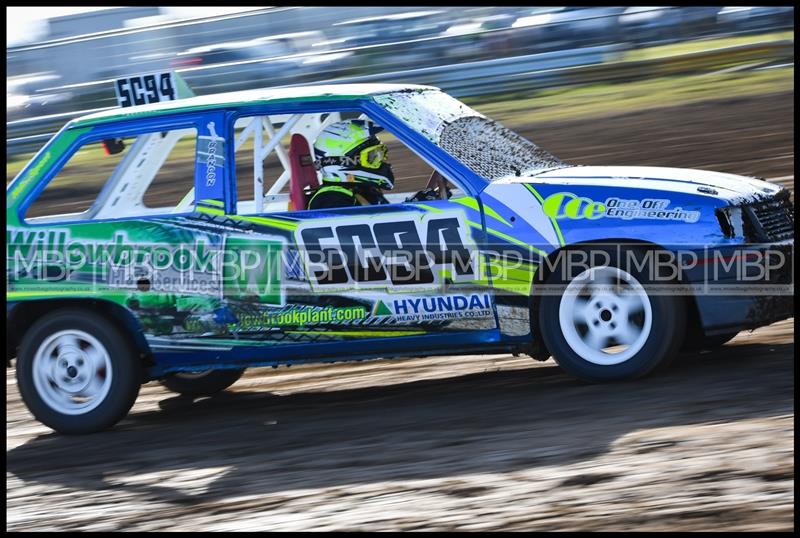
244 98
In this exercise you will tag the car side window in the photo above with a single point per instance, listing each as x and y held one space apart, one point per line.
271 167
148 174
284 165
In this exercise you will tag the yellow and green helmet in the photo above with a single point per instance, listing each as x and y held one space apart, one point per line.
350 152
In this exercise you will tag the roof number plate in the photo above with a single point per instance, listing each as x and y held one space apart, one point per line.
145 89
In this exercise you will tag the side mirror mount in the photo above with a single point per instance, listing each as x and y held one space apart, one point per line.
112 146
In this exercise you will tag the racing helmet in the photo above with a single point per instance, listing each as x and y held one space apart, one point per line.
349 152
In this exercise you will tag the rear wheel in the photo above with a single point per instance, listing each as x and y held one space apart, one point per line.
204 383
77 372
603 324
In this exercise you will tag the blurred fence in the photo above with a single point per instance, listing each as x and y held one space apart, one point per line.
528 72
573 67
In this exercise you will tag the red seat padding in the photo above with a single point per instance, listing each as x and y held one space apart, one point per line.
303 172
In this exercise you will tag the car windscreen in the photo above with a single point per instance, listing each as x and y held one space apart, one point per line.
485 146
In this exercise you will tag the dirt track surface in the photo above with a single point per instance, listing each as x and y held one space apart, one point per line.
747 136
468 443
459 443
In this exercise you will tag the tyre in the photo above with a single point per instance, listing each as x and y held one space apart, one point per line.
602 324
77 372
203 383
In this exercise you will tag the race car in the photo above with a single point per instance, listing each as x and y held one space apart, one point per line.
196 256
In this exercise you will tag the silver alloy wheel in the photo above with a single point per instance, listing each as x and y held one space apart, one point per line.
605 315
72 372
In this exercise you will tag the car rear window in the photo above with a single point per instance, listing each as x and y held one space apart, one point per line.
133 176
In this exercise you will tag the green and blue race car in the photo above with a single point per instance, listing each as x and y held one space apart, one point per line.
172 241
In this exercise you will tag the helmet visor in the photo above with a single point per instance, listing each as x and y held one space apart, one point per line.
373 156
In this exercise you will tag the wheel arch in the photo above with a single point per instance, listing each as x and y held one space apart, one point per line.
545 269
21 316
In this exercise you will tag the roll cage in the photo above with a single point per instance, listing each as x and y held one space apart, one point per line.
265 124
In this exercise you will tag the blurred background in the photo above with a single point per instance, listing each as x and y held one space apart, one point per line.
62 67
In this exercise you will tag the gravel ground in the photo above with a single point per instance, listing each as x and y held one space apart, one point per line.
459 443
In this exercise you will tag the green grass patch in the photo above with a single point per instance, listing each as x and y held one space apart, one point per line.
608 99
663 51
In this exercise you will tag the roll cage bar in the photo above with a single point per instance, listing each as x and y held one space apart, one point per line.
121 197
266 139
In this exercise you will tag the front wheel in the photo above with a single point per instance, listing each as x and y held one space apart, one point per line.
203 383
77 373
603 324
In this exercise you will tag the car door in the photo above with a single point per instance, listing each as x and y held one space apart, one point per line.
396 277
393 272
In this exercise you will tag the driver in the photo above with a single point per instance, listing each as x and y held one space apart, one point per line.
354 165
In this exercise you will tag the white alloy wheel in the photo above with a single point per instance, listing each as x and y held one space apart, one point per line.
77 371
72 372
605 315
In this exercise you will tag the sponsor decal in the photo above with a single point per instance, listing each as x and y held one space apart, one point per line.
397 251
297 316
211 156
242 267
565 205
26 247
379 309
256 271
211 162
435 308
32 174
649 208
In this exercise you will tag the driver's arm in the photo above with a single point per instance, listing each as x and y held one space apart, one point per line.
436 189
424 195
